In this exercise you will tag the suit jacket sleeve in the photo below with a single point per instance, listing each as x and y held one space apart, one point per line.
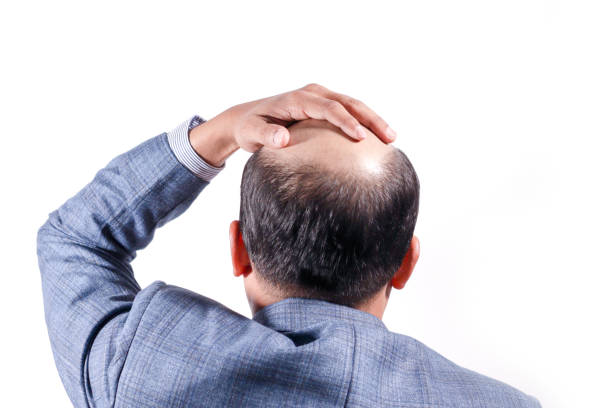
84 252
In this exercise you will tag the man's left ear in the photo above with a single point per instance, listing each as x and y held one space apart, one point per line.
240 258
410 259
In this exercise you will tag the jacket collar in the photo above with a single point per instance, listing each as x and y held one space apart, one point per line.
292 314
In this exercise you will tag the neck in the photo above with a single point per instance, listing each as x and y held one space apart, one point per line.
378 303
375 305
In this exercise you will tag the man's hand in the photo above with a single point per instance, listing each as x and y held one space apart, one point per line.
264 122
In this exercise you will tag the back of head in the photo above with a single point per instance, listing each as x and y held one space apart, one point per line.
326 217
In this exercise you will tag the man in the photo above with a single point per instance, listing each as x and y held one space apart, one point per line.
327 215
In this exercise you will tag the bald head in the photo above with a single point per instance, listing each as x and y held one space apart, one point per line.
320 142
328 217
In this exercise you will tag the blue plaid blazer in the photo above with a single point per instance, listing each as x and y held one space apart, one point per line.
117 345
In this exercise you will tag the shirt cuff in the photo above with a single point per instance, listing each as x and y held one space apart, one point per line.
178 139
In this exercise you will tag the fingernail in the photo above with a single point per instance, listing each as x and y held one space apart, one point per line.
391 133
361 133
278 138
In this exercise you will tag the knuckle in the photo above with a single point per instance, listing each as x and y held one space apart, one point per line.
312 87
332 105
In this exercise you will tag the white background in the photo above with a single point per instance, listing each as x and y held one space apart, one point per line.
503 108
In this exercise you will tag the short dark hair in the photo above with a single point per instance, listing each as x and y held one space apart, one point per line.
316 233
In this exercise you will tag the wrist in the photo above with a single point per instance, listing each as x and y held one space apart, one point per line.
212 141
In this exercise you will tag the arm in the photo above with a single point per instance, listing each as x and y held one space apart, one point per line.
86 246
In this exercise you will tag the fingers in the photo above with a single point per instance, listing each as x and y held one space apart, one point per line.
312 101
357 109
307 105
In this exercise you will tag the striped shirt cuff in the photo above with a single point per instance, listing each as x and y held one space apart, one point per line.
184 152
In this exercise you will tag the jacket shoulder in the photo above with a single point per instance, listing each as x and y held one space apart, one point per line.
451 385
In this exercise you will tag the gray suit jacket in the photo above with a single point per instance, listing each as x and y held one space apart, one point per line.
117 345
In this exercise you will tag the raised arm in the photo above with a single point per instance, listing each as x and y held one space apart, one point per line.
86 245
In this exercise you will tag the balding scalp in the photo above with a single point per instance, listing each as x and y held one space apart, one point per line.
336 233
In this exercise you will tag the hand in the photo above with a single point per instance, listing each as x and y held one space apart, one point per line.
264 122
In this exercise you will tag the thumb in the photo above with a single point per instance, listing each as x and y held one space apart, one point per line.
257 133
274 136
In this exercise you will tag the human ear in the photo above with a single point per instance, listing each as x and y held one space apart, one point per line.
241 262
405 270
